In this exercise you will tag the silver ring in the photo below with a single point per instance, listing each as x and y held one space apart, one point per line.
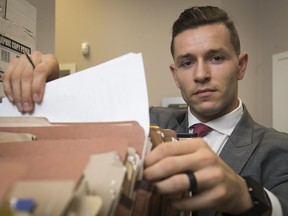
192 181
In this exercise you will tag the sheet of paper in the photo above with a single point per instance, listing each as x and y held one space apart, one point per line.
113 91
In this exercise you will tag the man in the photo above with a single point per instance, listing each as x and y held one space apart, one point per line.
207 66
239 167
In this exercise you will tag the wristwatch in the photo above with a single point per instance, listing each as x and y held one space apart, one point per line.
261 202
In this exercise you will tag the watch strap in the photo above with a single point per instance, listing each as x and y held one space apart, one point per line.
261 202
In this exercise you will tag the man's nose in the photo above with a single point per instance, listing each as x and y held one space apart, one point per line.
202 72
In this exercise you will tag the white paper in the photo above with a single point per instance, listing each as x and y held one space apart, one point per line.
112 91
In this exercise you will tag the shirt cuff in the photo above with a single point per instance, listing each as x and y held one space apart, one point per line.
275 203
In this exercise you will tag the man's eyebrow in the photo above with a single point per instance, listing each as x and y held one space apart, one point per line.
210 51
214 51
188 55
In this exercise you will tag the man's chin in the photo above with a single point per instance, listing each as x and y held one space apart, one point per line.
207 110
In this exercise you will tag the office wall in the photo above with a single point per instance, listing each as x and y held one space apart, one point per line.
273 39
114 28
45 25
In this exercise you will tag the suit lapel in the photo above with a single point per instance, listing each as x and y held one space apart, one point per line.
240 145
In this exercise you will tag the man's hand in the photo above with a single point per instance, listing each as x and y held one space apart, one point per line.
218 186
24 85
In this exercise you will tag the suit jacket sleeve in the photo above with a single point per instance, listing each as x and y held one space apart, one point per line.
169 118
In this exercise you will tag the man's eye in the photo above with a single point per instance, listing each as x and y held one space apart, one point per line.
217 59
186 64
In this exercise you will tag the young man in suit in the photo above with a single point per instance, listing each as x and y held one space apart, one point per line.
239 167
208 64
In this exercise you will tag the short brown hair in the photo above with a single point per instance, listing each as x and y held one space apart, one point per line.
198 16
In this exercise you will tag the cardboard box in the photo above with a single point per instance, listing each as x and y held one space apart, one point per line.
17 32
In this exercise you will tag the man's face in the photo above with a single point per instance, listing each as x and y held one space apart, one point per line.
207 70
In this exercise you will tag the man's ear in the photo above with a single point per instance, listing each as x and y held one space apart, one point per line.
243 61
173 70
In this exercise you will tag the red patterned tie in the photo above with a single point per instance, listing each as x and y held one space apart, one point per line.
201 129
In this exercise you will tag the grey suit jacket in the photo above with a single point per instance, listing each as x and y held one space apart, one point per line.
251 150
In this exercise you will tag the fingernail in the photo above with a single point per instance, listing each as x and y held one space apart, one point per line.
26 106
35 97
19 107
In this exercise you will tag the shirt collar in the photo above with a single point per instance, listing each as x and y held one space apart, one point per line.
224 124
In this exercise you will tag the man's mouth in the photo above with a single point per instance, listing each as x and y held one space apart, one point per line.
204 92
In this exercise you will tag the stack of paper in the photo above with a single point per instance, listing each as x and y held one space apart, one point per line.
109 92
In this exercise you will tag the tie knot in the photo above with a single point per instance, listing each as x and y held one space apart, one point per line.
201 129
